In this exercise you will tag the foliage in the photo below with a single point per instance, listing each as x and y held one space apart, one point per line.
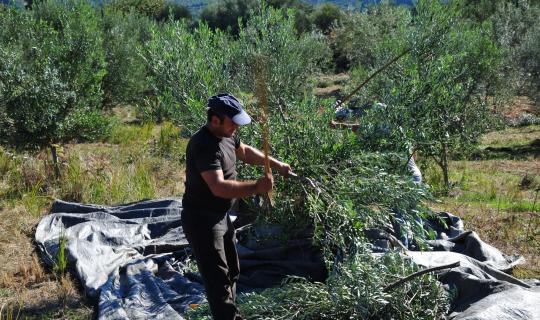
514 27
173 11
51 66
269 39
437 95
358 190
186 68
149 8
225 14
123 36
80 44
353 291
302 13
61 263
326 16
356 40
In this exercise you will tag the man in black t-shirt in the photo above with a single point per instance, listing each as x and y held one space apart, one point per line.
211 189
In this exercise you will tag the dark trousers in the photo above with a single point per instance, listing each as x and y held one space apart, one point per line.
212 239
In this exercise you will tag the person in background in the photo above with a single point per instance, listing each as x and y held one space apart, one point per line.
343 114
210 191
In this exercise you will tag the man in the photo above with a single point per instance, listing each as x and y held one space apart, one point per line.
211 189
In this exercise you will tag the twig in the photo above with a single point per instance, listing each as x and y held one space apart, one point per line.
419 273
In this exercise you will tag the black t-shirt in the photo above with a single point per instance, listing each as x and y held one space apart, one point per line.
208 152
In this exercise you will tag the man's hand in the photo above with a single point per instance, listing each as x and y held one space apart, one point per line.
264 184
283 169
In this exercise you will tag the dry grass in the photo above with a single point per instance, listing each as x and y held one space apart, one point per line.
511 137
331 85
521 104
514 233
26 288
499 199
143 162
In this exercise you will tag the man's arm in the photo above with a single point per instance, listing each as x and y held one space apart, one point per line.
230 189
254 156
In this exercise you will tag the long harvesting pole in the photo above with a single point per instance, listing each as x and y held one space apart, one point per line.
396 58
262 98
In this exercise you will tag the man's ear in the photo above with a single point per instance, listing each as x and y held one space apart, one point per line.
215 121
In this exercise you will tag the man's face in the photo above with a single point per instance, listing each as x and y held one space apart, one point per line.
225 128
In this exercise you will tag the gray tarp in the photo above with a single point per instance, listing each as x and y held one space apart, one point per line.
130 259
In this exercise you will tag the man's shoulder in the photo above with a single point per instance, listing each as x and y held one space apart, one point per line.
202 136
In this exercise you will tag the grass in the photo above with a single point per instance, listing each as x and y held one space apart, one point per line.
511 137
11 311
137 162
498 198
61 262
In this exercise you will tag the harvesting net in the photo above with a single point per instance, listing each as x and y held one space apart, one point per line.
134 260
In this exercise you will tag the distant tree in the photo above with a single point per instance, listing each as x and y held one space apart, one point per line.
515 26
528 54
150 8
325 16
356 39
123 36
302 13
174 11
225 14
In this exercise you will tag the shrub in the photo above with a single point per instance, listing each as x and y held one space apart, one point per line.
124 34
186 68
225 15
78 54
149 8
173 11
51 66
289 60
326 16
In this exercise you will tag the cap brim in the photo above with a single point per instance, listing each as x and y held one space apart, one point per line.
242 118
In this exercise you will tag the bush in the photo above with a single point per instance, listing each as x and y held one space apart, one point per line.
173 11
225 14
326 17
186 68
289 60
124 34
51 66
149 8
78 54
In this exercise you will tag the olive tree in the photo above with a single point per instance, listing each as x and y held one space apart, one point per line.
185 68
290 60
435 96
51 66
